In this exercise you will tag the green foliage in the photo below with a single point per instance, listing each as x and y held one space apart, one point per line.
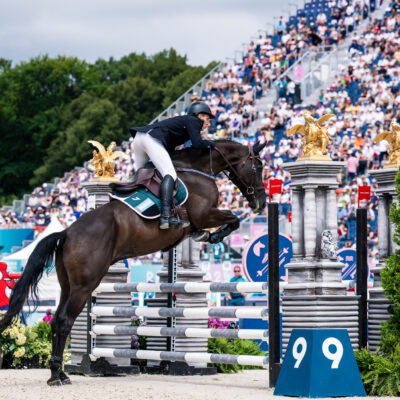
380 371
390 333
380 374
391 283
237 347
42 330
50 107
33 97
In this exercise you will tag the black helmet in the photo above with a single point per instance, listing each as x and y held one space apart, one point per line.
200 108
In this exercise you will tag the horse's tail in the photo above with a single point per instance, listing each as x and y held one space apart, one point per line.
40 259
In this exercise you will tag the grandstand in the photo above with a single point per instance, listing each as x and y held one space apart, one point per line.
260 96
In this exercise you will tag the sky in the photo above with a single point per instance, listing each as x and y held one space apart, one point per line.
203 30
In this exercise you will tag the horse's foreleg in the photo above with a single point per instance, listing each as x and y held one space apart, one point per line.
221 233
227 221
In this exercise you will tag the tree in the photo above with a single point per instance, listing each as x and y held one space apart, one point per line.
50 107
34 96
89 118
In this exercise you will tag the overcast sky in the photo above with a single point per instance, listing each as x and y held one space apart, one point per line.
204 30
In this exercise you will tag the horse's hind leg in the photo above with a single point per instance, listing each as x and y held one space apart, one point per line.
63 325
58 377
72 301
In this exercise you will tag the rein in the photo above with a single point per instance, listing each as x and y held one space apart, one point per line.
232 174
196 171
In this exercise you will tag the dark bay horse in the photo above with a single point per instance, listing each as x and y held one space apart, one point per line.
99 238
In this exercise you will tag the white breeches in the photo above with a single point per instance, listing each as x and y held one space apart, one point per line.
148 148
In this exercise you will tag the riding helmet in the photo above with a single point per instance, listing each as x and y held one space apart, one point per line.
200 108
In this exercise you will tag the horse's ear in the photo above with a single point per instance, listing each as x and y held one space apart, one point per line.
258 147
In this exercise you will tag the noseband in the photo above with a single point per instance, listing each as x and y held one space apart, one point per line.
234 175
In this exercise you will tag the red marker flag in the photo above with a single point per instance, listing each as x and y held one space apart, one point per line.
364 193
275 187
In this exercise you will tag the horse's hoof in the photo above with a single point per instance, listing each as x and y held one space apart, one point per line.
214 238
66 381
54 382
65 378
201 236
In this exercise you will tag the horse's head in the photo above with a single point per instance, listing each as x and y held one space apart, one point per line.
247 176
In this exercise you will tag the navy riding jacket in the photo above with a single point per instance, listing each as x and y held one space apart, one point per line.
173 132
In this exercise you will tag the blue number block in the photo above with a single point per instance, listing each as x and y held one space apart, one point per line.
319 363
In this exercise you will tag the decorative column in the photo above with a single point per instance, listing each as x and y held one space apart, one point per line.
98 189
310 221
297 227
315 296
378 302
331 213
383 225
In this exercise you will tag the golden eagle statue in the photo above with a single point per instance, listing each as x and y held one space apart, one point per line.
315 137
103 161
393 138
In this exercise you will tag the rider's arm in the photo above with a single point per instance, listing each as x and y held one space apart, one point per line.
193 126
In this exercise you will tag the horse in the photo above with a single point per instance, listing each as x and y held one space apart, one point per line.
84 251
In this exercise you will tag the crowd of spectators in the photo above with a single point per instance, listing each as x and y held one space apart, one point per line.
66 199
363 97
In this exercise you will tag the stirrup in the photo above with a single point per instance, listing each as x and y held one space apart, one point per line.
178 223
201 236
164 222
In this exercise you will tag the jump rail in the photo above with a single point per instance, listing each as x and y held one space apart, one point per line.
201 312
104 329
257 361
192 287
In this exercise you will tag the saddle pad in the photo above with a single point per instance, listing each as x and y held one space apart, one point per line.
148 206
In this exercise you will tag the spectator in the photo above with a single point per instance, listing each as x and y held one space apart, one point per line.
236 299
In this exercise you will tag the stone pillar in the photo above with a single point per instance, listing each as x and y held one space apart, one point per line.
378 302
310 221
118 273
331 213
187 270
297 227
383 227
393 245
315 296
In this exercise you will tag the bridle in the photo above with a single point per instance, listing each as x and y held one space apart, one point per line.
234 176
232 173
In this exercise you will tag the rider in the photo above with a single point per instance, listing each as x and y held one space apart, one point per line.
157 141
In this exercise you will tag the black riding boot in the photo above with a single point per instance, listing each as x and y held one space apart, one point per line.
166 218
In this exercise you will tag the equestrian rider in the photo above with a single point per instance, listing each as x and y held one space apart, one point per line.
157 141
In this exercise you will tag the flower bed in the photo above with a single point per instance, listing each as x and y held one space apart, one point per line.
27 347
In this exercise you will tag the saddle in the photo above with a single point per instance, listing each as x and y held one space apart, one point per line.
147 177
